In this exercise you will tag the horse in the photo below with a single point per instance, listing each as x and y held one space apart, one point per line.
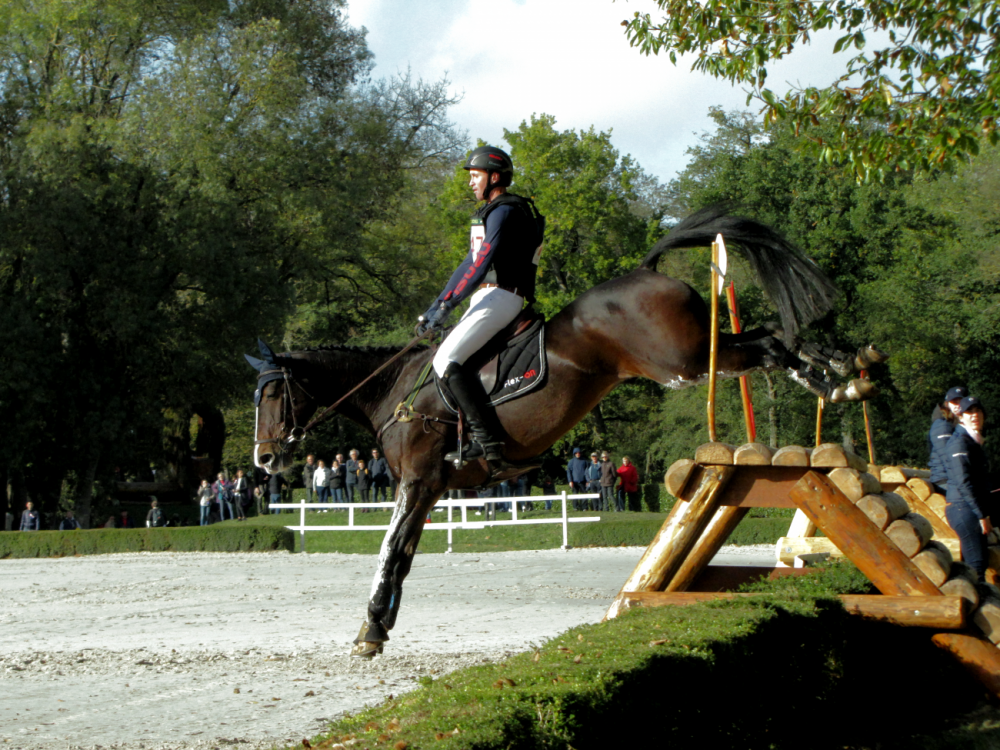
642 324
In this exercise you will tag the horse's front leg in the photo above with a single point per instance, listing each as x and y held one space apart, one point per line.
413 500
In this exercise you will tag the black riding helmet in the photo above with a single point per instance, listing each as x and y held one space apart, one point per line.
491 159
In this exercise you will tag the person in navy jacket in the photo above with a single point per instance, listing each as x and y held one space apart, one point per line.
576 475
498 274
945 418
968 484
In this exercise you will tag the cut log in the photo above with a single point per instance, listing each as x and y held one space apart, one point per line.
801 525
987 617
678 474
854 483
679 533
935 561
708 545
892 572
715 454
963 588
921 488
940 612
875 471
902 475
993 557
753 454
829 456
938 503
791 455
980 657
883 509
941 528
788 548
911 533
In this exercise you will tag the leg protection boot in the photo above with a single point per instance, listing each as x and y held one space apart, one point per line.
471 398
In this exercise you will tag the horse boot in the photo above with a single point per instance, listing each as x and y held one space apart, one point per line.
859 389
824 358
471 397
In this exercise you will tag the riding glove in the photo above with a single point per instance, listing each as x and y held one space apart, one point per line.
433 319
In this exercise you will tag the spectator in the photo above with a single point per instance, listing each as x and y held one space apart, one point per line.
379 470
608 479
30 518
241 495
968 496
155 518
204 501
110 523
524 490
321 483
338 472
503 490
274 484
629 477
363 481
125 522
223 496
945 420
351 482
594 482
69 523
308 474
576 475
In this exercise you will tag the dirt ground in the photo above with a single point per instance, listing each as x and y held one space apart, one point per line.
164 651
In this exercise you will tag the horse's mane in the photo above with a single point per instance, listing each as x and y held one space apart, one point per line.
352 349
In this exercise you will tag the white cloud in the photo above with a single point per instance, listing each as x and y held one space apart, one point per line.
567 58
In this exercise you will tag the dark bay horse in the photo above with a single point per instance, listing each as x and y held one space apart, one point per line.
643 324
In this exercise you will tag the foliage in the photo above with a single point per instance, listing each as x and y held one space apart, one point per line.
919 93
214 538
585 687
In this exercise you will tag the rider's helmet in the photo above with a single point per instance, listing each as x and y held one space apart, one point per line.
491 159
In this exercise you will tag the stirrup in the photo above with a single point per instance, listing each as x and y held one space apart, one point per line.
491 451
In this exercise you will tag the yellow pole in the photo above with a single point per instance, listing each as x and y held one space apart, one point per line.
819 421
713 343
868 426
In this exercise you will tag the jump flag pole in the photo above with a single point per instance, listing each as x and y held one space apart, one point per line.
719 259
745 391
819 421
868 426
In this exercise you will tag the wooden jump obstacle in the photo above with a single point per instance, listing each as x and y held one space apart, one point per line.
887 521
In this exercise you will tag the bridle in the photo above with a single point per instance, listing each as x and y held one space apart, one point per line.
296 433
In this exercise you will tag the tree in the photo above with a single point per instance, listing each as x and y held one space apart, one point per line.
920 93
174 179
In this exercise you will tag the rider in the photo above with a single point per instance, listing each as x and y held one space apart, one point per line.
499 274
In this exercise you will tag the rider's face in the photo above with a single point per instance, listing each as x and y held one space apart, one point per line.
478 181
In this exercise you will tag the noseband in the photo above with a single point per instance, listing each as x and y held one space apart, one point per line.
296 433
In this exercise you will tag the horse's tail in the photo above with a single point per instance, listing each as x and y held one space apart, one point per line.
792 281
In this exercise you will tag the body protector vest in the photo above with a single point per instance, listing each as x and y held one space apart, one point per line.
517 266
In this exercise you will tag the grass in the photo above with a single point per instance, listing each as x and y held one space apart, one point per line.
677 677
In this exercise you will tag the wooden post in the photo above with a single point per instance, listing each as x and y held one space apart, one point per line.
708 545
892 572
679 533
713 351
819 421
868 426
980 657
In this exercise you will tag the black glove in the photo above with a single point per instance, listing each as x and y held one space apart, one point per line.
432 320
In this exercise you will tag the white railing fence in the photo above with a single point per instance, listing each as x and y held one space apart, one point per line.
450 525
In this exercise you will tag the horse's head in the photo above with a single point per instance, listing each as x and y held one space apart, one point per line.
283 408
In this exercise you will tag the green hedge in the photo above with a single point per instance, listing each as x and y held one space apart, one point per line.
677 677
635 532
215 538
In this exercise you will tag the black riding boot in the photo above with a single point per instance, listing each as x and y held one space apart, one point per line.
471 398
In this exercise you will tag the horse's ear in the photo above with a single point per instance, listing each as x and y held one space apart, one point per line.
257 364
265 352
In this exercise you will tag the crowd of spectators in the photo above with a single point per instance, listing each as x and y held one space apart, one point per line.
618 487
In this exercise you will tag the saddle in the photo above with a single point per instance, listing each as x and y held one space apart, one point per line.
512 363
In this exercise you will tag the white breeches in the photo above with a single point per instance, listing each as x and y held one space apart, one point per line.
490 311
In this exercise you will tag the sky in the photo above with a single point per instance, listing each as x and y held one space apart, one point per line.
509 59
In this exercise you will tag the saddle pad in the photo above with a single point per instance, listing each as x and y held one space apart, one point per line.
521 368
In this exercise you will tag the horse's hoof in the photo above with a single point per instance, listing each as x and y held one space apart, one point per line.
868 356
858 389
367 649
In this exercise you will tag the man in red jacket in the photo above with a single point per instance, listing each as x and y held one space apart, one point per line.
628 479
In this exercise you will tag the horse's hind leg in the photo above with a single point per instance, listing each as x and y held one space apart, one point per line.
414 499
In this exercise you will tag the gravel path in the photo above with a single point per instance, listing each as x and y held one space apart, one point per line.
165 651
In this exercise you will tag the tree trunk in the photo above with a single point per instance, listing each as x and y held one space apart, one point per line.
4 497
772 411
84 490
599 426
177 447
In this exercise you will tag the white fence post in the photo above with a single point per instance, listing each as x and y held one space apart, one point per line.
302 523
449 529
565 524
